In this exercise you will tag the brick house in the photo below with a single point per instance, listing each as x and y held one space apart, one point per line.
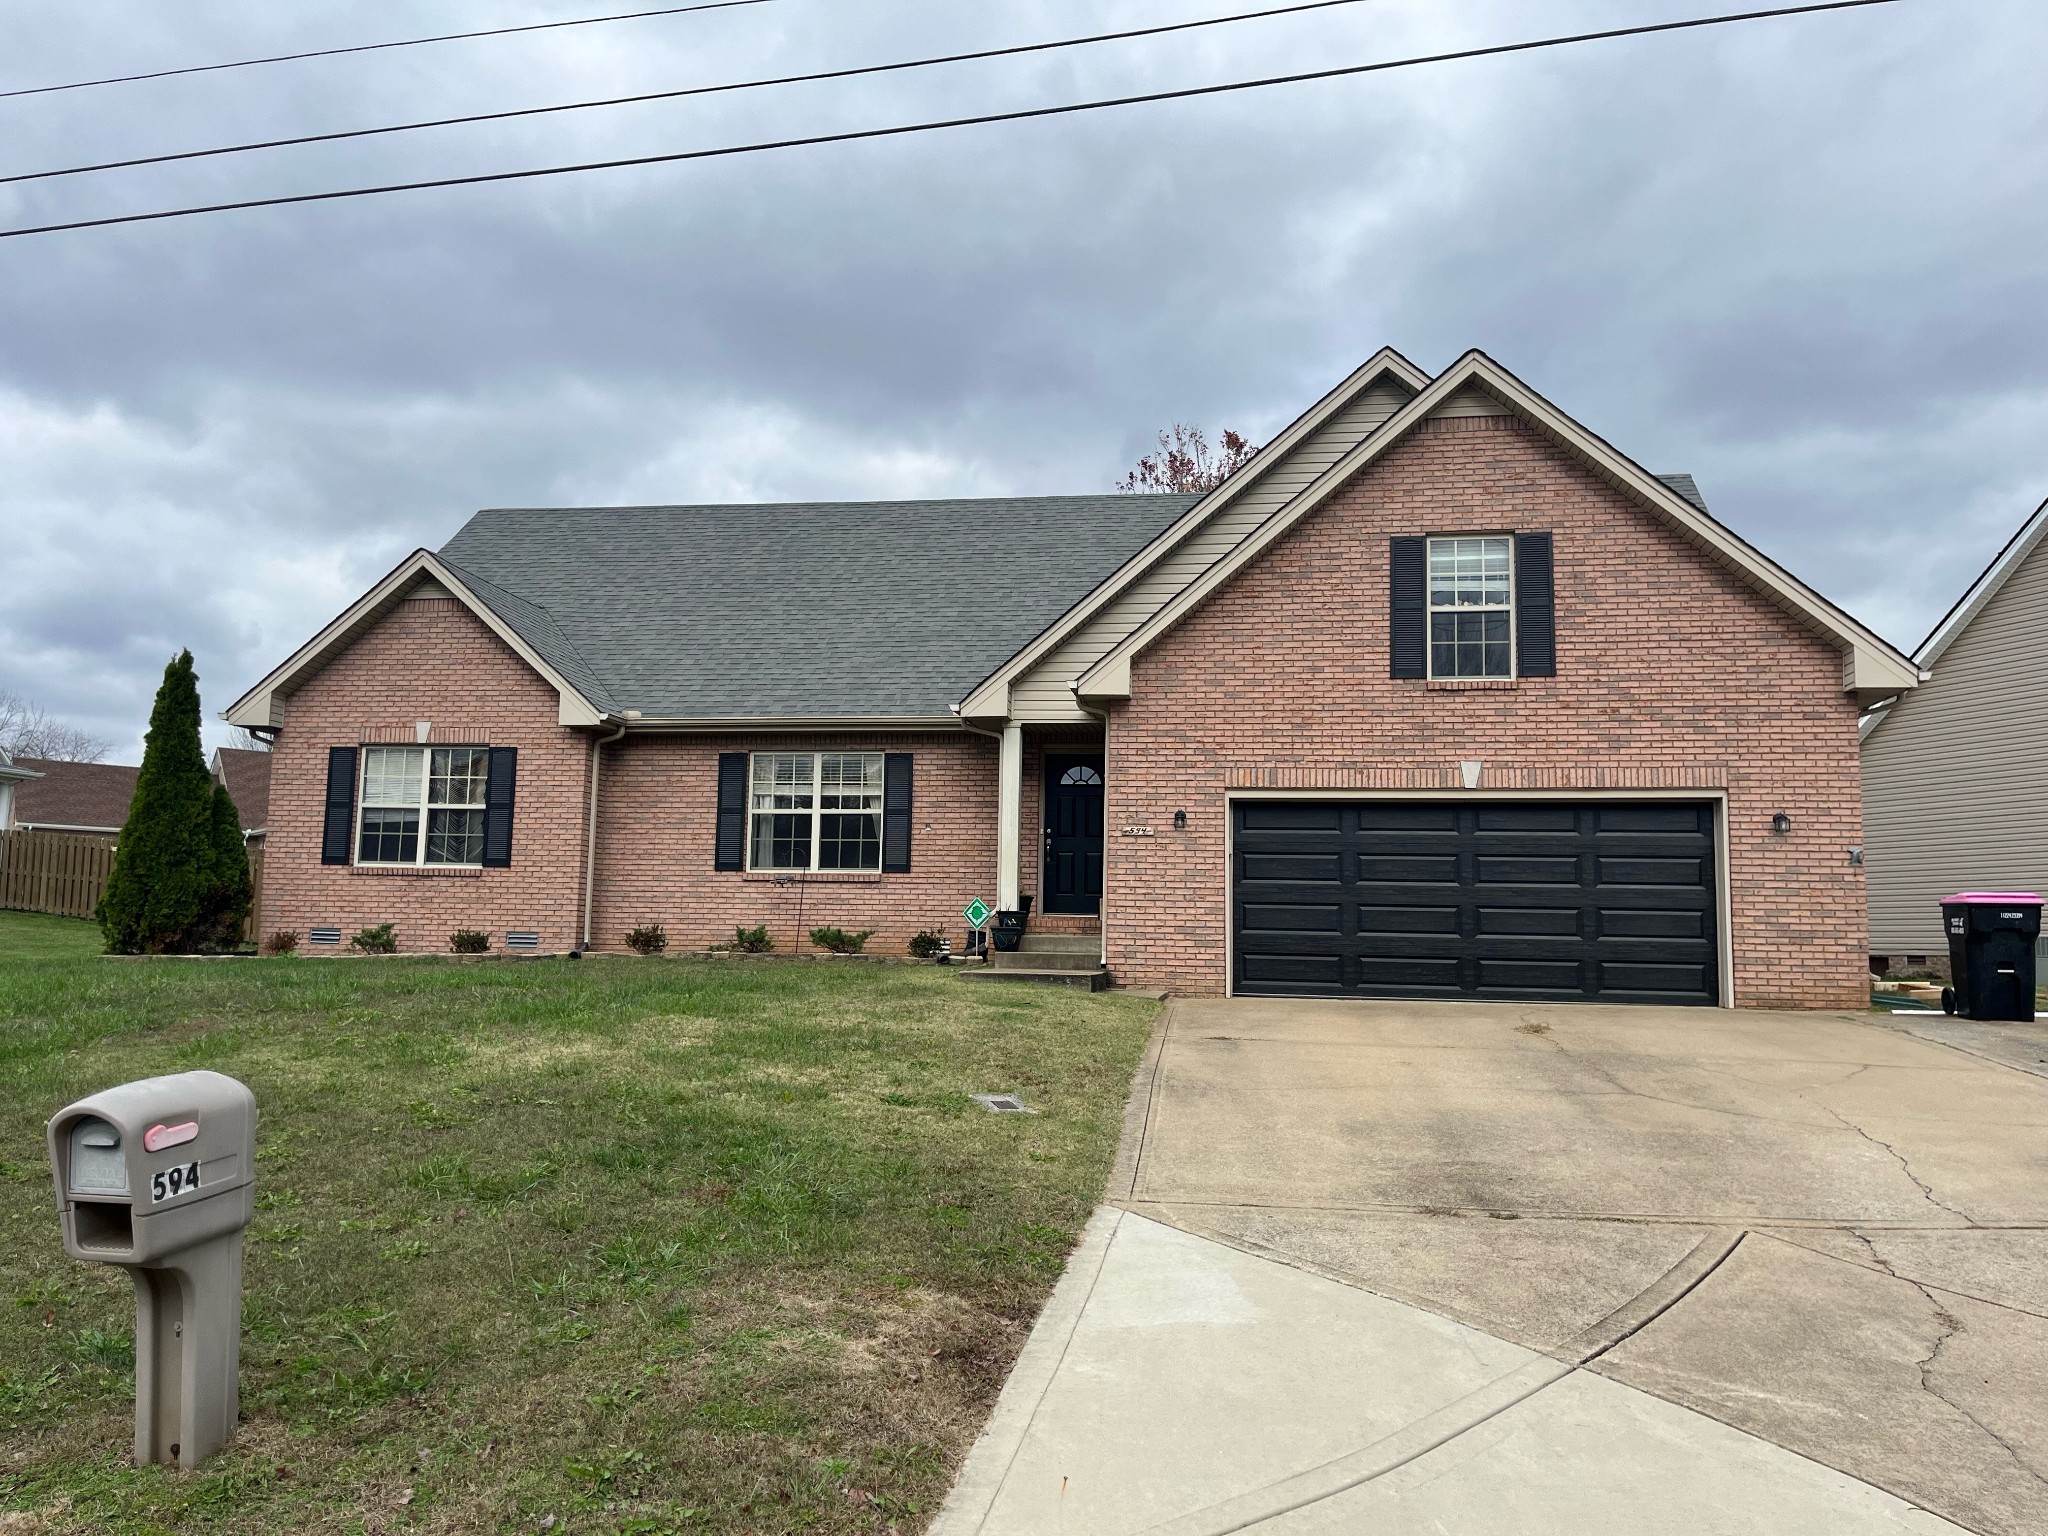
1438 696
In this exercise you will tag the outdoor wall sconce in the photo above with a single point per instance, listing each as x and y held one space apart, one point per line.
1781 823
1180 821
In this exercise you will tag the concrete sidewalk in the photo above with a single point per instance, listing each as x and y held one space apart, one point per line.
1392 1267
1178 1386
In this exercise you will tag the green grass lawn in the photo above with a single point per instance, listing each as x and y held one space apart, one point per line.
639 1245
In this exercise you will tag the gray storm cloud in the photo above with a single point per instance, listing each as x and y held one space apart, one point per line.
1799 259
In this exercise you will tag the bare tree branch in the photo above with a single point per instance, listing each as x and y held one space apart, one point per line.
29 730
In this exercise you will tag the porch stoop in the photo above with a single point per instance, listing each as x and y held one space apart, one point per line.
1055 959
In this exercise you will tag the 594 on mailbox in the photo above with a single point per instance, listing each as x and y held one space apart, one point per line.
169 1183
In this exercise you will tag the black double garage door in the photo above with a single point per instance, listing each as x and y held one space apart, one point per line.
1609 900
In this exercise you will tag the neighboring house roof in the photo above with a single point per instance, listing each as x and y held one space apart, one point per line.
1985 587
12 772
1872 667
246 774
1989 583
82 797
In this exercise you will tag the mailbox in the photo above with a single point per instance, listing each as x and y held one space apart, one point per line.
158 1177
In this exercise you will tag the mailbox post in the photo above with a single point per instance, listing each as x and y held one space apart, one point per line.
157 1176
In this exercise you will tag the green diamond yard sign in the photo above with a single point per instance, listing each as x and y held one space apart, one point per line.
977 913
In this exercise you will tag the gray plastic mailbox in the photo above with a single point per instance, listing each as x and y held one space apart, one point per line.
158 1177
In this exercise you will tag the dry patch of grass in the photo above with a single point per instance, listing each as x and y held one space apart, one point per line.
640 1246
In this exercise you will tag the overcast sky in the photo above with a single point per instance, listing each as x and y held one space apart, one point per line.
1802 259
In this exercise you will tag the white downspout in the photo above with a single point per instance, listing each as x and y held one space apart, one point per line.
597 746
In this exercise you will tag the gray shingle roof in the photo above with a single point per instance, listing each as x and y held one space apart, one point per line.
871 609
1683 484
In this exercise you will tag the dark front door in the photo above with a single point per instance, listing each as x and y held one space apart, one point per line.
1603 901
1073 833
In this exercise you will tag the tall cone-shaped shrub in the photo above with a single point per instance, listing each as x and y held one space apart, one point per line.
177 886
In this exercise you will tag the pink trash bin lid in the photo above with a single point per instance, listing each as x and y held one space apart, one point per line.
1989 898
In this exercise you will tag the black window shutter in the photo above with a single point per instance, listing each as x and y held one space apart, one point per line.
498 789
1407 610
896 777
1535 606
732 811
340 824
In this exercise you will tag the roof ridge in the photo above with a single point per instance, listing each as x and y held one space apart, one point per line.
895 501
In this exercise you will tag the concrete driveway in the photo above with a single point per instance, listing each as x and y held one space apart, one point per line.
1423 1267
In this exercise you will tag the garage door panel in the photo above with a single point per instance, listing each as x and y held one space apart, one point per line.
1442 920
1289 815
1437 868
1644 923
1638 817
1666 980
1291 917
1409 971
1293 973
1504 975
1686 872
1547 900
1562 921
1404 816
1291 866
1529 870
1502 817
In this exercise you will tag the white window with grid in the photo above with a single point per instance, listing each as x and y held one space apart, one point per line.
422 805
1472 607
815 811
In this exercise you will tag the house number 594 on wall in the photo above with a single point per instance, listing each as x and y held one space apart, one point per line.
169 1183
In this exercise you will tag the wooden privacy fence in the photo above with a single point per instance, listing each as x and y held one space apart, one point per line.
60 872
66 873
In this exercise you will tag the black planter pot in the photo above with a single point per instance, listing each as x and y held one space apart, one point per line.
1009 931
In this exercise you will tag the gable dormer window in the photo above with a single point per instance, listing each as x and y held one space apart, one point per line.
1472 606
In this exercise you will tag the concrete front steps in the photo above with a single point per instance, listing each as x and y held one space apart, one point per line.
1052 959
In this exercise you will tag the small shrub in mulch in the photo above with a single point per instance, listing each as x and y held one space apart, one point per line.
468 941
283 942
753 941
380 940
647 939
839 941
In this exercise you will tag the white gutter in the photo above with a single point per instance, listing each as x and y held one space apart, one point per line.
597 746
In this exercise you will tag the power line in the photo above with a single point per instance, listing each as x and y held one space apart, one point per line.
404 42
695 90
1022 115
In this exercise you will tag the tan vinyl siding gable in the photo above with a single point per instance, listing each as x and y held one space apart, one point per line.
1044 694
1955 779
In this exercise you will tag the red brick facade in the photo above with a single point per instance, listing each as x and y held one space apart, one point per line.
657 820
1673 676
433 660
1671 673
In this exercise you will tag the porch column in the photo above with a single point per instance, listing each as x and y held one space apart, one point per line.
1009 811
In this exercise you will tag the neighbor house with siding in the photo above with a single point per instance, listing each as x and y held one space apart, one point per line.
1955 773
1440 695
